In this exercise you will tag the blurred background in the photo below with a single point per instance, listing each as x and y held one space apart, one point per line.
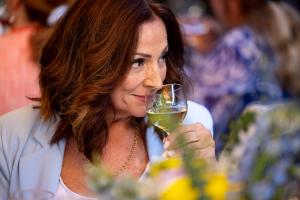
25 26
238 53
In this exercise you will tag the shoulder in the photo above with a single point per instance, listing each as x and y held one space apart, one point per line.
24 112
18 126
20 120
15 129
23 131
198 113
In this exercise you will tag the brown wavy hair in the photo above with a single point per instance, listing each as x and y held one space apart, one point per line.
88 55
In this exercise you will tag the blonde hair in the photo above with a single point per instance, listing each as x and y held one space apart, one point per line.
288 48
279 24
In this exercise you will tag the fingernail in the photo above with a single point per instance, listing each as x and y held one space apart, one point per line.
166 144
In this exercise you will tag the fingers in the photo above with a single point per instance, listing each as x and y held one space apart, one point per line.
183 130
196 136
207 153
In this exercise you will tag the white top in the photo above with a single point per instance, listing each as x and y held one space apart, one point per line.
63 192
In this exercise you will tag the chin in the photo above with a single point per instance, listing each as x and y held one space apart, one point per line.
139 114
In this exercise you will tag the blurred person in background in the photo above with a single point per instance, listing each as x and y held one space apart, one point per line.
269 149
20 46
294 3
241 67
2 12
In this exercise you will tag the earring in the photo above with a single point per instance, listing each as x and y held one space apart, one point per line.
11 20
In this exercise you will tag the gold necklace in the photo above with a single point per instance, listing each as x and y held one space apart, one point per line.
130 156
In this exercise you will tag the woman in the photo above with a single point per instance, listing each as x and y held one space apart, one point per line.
20 49
101 62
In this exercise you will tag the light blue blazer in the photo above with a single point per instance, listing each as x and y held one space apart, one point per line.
27 161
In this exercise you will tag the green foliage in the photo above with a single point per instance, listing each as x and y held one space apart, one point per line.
236 127
267 157
193 168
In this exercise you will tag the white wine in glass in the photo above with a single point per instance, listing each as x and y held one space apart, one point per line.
167 108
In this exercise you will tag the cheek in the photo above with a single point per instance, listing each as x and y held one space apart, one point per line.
163 72
121 93
129 84
115 98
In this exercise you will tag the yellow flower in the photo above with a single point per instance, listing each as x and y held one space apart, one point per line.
171 163
217 185
179 186
179 189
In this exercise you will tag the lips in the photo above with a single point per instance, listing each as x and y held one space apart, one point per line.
143 98
140 98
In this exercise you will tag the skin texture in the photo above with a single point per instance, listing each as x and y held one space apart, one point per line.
147 72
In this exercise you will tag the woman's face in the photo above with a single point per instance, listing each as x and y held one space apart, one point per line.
147 72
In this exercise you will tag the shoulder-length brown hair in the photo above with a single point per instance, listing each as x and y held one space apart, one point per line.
88 55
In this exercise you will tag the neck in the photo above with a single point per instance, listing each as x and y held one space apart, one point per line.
20 18
117 118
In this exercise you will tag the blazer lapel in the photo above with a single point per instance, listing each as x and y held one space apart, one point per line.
41 169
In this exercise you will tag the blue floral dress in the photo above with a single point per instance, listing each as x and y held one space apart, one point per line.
239 70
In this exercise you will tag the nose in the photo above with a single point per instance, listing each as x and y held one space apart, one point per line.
155 76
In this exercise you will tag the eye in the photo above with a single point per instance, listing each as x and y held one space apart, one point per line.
163 58
139 62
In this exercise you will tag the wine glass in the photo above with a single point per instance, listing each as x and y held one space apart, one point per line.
167 108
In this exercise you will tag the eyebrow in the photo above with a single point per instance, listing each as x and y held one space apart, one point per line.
149 56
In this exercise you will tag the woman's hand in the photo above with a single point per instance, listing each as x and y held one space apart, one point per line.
196 136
